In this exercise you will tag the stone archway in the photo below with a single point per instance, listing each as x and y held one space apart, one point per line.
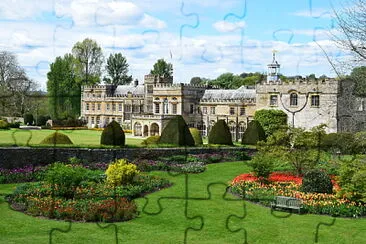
154 129
146 131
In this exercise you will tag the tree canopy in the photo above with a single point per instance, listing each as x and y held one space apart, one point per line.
162 68
358 76
117 69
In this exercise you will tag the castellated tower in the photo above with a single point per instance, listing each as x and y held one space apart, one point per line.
150 81
307 103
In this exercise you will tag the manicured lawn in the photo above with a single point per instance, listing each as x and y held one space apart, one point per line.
170 224
80 138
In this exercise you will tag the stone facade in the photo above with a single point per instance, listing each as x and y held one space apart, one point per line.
146 109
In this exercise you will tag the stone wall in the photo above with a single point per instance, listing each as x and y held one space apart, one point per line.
20 156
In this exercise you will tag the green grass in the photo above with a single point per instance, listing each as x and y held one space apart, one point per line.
80 138
169 226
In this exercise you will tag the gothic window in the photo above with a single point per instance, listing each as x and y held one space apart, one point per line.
232 111
93 106
273 101
204 110
232 127
242 111
108 106
128 108
213 111
293 99
315 101
174 108
157 108
120 107
241 129
113 106
98 106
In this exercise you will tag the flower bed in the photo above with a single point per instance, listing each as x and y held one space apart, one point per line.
284 184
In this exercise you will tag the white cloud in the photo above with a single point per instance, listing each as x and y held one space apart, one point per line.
23 9
315 13
225 26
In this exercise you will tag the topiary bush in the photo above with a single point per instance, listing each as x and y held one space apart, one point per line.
220 134
262 165
253 133
176 132
196 136
28 119
113 135
152 140
4 125
56 138
316 181
121 172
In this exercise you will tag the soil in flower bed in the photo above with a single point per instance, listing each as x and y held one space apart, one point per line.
248 187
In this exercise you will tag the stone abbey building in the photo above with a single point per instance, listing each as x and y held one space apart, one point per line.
146 108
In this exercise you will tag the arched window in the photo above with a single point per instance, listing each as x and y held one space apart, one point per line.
241 129
293 99
137 129
232 127
165 106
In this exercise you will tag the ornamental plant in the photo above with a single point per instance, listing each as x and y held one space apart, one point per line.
121 172
317 181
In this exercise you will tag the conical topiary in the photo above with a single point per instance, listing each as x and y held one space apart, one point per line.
176 132
220 134
113 135
196 136
56 138
253 133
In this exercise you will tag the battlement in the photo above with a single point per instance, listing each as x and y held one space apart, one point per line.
225 101
157 79
300 82
102 87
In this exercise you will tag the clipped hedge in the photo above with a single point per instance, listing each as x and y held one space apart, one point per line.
220 134
253 133
196 136
113 135
4 125
56 138
152 140
271 119
176 132
316 181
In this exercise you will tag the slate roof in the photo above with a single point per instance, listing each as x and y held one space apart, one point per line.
135 90
229 94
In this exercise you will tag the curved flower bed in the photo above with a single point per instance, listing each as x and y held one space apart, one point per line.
284 184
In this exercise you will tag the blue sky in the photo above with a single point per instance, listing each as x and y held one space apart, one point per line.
200 38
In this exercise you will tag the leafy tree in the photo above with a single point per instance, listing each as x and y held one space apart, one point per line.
162 68
196 81
117 69
352 179
358 76
89 59
64 92
224 81
271 119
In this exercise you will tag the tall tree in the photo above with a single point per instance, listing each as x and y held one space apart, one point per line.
117 69
358 76
15 86
64 91
196 81
162 68
89 60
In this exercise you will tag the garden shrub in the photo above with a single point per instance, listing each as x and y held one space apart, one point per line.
28 119
65 178
56 138
113 135
176 132
262 165
220 134
271 119
316 181
196 136
14 125
152 140
253 133
343 143
360 141
121 172
42 120
4 125
69 122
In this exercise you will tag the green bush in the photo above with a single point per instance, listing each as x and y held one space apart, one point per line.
152 140
220 134
121 172
14 125
42 119
4 125
271 119
262 165
343 143
196 136
56 138
176 132
352 179
113 135
253 133
316 181
28 119
360 141
65 178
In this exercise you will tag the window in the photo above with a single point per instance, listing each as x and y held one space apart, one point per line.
174 108
128 108
191 108
212 110
293 99
98 106
232 111
150 89
87 106
98 120
92 120
108 106
119 120
157 108
165 106
315 100
113 107
93 106
242 111
204 110
273 100
120 107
